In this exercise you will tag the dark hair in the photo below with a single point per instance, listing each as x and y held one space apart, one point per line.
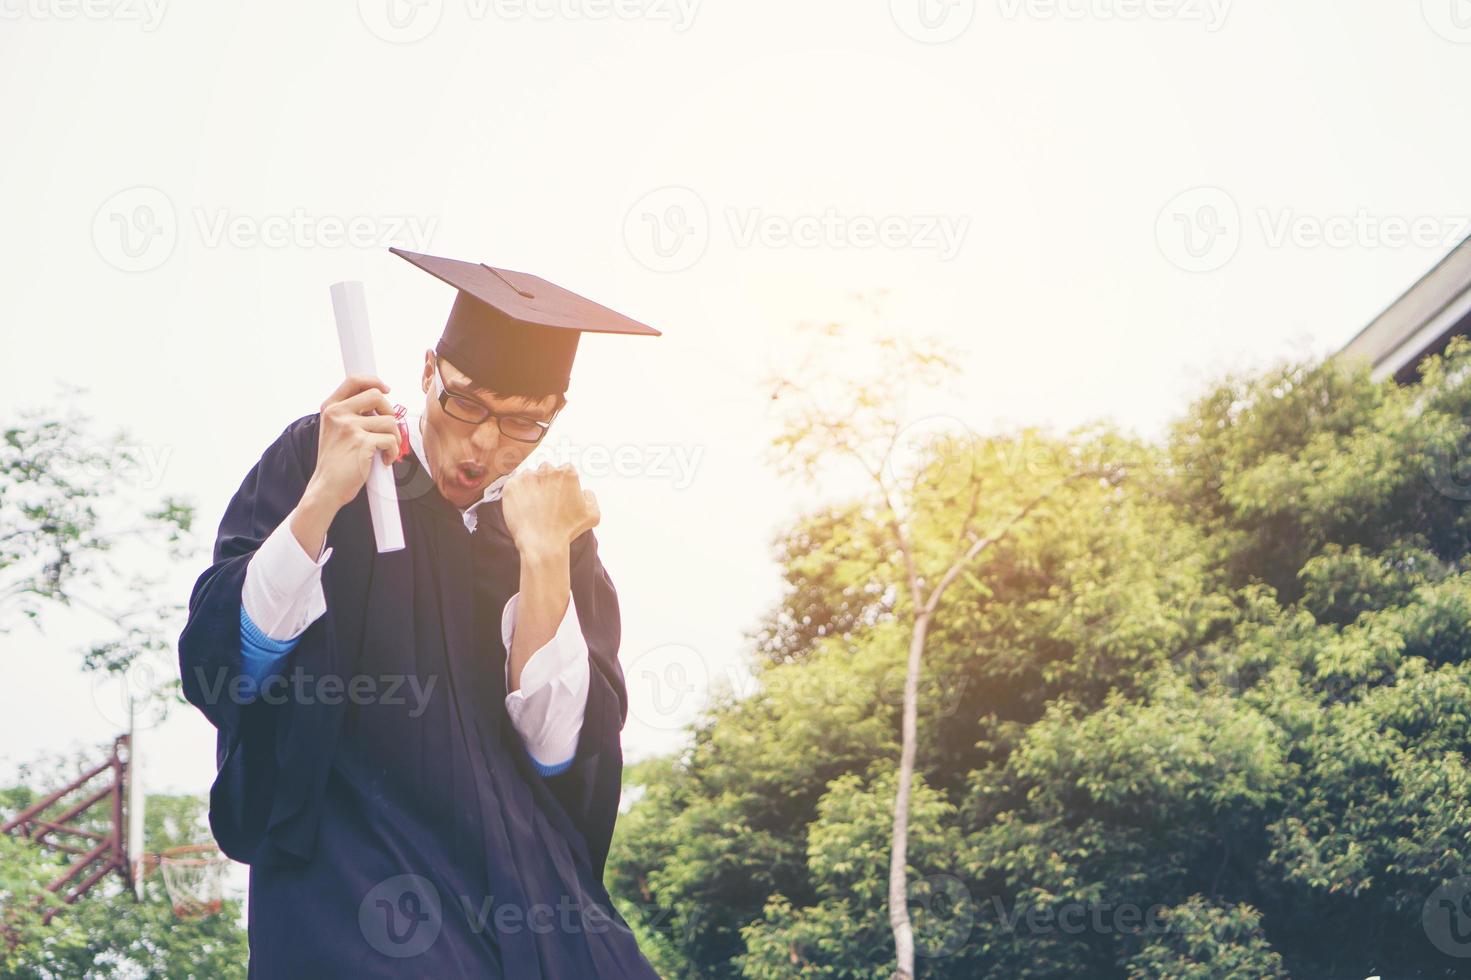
561 397
489 393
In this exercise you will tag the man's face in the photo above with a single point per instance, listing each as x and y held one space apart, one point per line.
465 458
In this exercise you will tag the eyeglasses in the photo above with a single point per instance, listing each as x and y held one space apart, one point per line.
518 427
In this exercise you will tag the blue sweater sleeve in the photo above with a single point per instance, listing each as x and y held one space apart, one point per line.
261 656
552 770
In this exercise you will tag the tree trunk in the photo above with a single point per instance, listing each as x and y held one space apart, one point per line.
899 852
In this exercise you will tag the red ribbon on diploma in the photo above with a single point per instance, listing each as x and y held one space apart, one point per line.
404 447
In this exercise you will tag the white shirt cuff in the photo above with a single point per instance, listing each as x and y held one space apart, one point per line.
548 708
282 593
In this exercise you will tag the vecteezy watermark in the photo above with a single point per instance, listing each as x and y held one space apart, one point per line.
1448 466
407 21
137 229
668 230
1211 13
142 465
566 917
300 229
147 14
300 686
1360 229
940 233
1451 19
1447 917
670 684
1076 918
676 464
1201 229
933 21
401 21
941 448
133 698
404 915
401 916
679 14
942 913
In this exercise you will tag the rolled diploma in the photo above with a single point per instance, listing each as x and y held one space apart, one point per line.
350 304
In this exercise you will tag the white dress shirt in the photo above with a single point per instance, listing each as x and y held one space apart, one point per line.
282 596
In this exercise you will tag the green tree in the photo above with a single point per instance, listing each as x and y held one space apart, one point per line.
859 419
1212 721
108 933
75 514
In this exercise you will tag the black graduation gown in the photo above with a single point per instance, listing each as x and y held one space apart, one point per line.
395 830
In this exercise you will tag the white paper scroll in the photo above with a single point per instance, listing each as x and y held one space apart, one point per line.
350 304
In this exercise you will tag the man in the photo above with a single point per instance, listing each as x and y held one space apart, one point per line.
419 751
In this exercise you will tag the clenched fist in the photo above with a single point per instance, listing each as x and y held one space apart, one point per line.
546 509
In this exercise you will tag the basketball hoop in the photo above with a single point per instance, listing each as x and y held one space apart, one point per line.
194 876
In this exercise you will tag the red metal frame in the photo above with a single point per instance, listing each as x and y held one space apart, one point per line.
108 853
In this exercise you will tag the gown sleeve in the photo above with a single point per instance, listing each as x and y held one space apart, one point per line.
589 788
272 751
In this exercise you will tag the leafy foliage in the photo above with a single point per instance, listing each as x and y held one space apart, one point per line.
66 543
1171 727
107 933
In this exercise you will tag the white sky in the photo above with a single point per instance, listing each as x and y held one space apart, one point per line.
1051 143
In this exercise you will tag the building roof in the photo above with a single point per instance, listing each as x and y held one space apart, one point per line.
1421 322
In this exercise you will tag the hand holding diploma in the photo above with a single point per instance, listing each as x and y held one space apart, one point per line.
350 307
357 424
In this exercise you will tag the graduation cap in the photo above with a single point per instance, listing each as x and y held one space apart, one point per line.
513 332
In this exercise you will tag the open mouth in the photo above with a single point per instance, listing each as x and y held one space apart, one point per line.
469 474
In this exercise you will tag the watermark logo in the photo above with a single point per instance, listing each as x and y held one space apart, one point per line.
1448 466
668 229
675 464
143 465
136 229
401 916
940 233
1077 918
136 697
404 915
942 697
1199 230
668 686
148 14
941 449
302 229
942 913
1211 13
1451 19
407 21
300 686
400 21
1447 917
933 21
1361 229
679 13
